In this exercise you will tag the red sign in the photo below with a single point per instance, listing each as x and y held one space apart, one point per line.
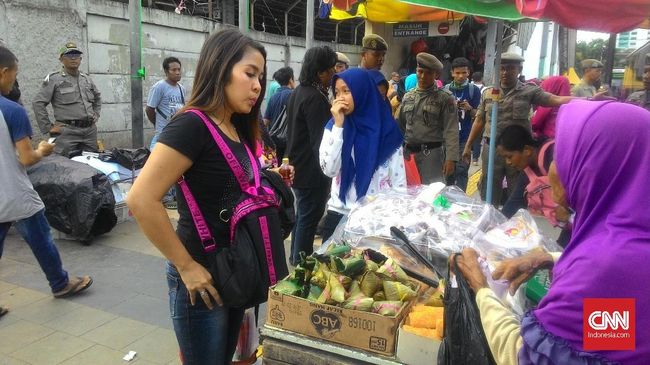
443 28
608 324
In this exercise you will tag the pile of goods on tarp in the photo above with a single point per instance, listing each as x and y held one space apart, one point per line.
78 198
353 279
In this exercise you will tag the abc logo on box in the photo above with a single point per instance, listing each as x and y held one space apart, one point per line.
608 324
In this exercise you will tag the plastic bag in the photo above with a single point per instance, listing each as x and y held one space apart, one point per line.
249 339
78 199
511 239
464 341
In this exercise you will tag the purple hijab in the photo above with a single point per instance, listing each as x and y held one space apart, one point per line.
603 160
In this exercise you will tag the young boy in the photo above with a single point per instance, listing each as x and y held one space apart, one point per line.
468 97
19 202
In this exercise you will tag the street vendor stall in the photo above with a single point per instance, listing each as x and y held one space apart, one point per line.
377 291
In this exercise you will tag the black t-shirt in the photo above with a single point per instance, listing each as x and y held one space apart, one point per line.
210 179
308 110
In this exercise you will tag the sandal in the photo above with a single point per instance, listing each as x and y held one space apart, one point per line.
3 311
75 286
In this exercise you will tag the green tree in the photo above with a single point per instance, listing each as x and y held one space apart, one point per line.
594 49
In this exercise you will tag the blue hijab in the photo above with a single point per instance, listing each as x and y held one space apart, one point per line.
370 129
410 82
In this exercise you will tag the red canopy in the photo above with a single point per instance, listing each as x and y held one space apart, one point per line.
596 15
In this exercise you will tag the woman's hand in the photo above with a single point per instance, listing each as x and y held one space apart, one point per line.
198 280
467 264
292 171
520 269
338 111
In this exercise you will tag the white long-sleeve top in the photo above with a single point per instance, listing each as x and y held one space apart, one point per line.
390 175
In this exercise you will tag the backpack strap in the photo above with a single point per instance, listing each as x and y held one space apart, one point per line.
542 154
207 240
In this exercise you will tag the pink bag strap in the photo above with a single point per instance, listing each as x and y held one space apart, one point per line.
207 241
542 154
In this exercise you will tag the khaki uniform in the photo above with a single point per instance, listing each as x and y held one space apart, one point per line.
429 121
583 90
76 103
514 108
640 98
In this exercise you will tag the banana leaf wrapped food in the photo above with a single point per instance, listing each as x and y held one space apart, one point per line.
320 275
350 266
387 308
371 265
379 296
355 290
287 286
391 270
334 291
398 291
314 293
370 283
360 303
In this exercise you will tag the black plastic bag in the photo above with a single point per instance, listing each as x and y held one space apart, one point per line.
78 199
132 159
464 342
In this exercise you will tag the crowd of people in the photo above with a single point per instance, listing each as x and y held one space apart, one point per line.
348 133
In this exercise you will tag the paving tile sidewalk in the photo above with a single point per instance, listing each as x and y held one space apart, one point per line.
126 308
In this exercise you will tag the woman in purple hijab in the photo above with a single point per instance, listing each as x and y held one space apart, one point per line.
602 171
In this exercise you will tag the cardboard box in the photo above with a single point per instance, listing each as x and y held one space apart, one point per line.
363 330
412 348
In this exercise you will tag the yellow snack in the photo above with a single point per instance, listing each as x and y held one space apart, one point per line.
422 320
425 332
440 327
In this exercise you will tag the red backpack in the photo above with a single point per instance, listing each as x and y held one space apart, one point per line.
538 191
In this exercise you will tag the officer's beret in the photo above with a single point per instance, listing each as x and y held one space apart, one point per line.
374 42
590 63
428 61
340 57
69 48
511 57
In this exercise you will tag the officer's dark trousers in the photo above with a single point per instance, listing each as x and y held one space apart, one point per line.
429 163
501 170
74 140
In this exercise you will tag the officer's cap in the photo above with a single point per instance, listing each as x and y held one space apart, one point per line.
340 57
590 63
374 42
511 57
428 61
69 48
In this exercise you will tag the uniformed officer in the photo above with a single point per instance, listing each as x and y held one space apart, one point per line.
76 102
429 120
642 98
514 102
373 52
342 62
591 72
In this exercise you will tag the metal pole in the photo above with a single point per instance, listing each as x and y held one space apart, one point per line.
252 16
554 42
490 48
309 29
243 16
609 59
495 112
544 50
356 31
137 114
336 34
210 14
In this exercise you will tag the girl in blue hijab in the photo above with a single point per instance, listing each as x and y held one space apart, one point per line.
361 147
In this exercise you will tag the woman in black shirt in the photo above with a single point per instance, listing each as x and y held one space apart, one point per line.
228 89
308 110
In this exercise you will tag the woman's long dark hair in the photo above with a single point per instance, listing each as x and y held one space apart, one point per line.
219 54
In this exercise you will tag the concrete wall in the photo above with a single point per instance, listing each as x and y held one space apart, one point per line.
36 29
